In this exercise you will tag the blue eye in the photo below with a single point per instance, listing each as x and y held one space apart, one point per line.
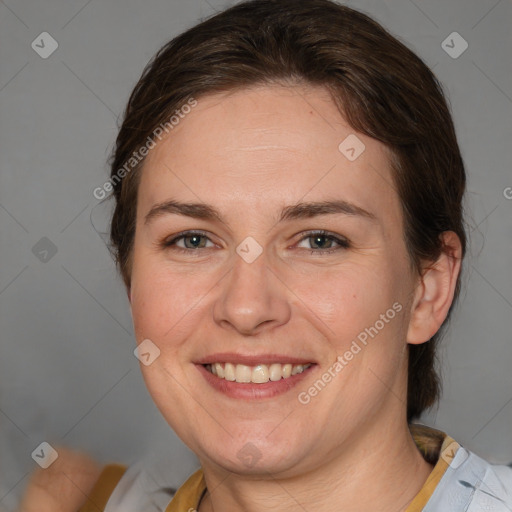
192 240
321 242
319 239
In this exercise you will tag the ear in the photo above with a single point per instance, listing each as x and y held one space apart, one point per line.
434 292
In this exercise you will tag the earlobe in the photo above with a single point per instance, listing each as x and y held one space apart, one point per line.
435 291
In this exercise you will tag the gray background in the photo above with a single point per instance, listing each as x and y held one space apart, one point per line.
67 370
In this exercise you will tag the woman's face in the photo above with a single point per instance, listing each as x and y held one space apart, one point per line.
263 280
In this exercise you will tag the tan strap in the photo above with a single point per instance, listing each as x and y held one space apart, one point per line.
103 488
189 494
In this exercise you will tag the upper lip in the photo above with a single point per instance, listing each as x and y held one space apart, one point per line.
252 360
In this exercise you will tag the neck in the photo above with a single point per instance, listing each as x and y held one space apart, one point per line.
380 470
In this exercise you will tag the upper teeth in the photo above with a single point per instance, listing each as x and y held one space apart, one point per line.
258 374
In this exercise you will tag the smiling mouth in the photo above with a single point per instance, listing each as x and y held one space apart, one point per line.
259 374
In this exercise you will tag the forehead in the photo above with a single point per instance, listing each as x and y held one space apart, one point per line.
268 145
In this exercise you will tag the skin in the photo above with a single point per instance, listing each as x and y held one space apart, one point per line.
62 487
249 154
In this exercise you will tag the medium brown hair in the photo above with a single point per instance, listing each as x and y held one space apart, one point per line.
381 88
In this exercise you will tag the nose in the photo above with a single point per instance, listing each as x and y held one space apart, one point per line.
252 299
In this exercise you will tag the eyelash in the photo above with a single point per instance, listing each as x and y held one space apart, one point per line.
343 243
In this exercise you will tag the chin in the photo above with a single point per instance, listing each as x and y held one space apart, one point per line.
258 456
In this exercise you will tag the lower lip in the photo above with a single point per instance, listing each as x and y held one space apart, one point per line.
250 390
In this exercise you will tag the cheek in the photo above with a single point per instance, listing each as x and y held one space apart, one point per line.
346 299
162 300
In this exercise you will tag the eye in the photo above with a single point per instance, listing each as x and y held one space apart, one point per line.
323 242
189 240
320 242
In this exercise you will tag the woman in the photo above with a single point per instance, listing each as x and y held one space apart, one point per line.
288 225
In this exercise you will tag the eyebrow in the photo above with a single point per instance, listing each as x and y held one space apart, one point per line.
297 211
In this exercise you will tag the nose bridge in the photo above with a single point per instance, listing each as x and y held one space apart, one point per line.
251 295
